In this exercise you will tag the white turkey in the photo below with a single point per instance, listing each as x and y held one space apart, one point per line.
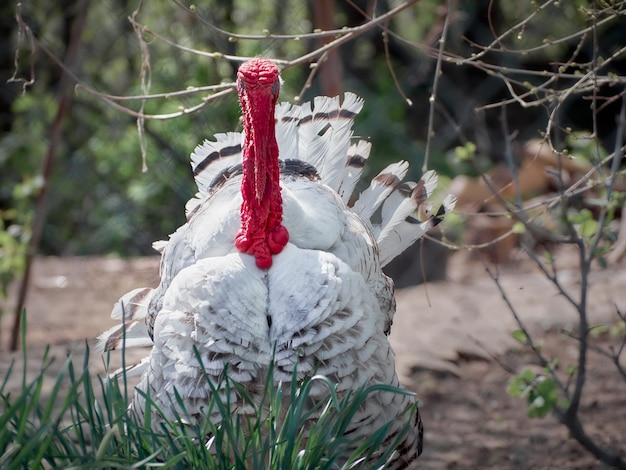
274 264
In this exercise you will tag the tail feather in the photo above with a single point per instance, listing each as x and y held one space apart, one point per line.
355 162
133 305
411 229
209 159
403 201
319 133
287 122
380 187
338 138
447 206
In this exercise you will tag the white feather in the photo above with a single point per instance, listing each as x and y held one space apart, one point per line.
403 201
217 147
222 153
133 305
352 173
430 179
400 238
380 187
397 207
134 335
287 122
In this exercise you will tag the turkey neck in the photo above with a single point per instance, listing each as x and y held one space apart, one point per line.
262 233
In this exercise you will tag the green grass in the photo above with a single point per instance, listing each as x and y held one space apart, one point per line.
74 427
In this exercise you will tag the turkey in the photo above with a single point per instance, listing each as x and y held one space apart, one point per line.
275 263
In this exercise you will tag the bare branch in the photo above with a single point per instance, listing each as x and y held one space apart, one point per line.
22 30
433 96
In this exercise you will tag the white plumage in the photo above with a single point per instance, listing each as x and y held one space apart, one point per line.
324 304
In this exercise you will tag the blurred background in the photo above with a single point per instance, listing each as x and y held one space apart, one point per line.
99 200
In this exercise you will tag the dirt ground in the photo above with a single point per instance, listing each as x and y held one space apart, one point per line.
453 347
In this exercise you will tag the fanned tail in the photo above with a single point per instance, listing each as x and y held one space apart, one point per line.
320 133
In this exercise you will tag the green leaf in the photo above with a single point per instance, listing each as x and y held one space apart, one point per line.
543 397
516 387
528 375
518 228
520 337
465 153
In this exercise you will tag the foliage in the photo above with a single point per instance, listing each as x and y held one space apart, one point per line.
15 226
539 390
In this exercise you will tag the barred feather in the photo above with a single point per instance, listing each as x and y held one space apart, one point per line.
355 162
380 187
404 234
402 202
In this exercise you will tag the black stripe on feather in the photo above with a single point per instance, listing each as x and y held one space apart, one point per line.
224 152
356 161
405 189
296 168
289 167
439 216
388 179
337 113
419 193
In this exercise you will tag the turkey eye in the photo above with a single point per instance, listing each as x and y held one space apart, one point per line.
276 88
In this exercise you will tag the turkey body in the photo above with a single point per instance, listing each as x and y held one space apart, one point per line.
323 306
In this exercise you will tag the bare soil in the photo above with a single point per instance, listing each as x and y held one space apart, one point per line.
453 348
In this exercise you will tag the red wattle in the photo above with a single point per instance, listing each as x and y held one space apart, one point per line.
263 260
262 233
242 243
277 239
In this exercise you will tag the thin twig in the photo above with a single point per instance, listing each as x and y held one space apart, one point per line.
23 30
611 354
615 165
529 341
145 78
433 96
266 35
392 72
